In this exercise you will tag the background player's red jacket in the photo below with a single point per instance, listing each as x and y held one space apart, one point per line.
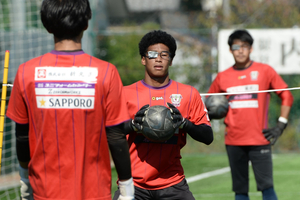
248 113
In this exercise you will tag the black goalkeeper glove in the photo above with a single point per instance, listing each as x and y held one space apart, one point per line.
139 118
272 134
178 120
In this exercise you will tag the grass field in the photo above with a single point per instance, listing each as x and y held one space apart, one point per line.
286 177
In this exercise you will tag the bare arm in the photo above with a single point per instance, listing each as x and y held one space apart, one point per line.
285 111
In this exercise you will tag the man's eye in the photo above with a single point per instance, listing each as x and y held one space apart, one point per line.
235 47
152 54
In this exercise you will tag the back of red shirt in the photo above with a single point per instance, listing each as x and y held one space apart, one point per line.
157 165
68 98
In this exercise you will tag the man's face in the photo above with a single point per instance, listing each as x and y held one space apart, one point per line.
241 51
157 60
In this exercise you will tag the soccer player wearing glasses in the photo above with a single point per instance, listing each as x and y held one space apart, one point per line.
247 136
69 110
156 168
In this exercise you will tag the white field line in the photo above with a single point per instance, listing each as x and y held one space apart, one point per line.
208 174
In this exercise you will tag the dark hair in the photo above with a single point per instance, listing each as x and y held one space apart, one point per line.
242 35
155 37
66 19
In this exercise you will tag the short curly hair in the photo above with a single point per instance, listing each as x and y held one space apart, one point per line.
155 37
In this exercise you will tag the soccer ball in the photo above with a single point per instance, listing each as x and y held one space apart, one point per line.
158 124
217 106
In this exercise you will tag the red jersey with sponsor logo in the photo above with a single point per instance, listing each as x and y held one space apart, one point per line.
248 113
157 165
68 98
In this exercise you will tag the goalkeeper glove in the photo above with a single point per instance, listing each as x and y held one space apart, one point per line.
126 190
26 190
178 120
272 134
139 118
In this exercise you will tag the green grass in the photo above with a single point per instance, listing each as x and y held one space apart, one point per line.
286 177
10 194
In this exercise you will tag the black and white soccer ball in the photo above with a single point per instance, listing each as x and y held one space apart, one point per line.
217 106
158 124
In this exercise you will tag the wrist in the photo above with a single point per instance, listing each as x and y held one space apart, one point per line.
128 127
283 120
23 172
281 125
132 126
187 125
127 188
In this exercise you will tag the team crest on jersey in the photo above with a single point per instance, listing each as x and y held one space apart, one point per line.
254 75
176 99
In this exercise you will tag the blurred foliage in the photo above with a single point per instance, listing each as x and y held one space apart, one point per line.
290 140
252 14
122 51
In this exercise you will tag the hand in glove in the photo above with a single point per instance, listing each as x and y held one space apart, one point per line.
178 120
26 190
272 134
139 118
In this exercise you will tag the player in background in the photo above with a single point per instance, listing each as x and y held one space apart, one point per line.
156 168
69 110
247 137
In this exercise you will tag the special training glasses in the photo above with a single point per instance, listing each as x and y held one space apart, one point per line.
235 47
154 54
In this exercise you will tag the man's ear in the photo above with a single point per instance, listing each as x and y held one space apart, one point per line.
143 61
87 25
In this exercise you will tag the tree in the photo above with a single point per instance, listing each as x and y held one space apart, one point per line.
253 14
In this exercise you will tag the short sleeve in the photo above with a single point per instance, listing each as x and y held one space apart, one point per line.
17 108
276 82
116 109
197 111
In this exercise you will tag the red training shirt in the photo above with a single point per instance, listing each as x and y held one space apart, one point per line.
248 113
157 165
68 98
